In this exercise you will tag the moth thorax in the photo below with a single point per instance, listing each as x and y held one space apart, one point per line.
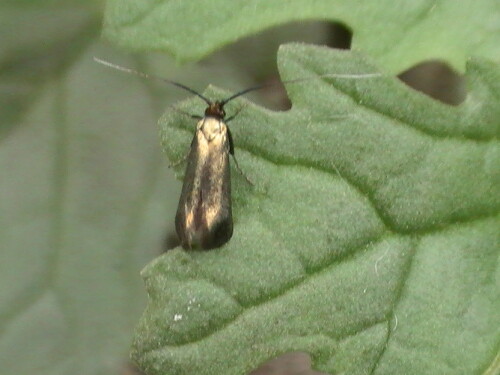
212 128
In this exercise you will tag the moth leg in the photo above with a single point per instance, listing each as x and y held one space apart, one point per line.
338 172
197 117
241 171
235 114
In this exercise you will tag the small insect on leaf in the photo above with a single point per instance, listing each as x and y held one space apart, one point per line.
204 217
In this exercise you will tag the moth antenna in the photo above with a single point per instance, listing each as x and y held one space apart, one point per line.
151 77
331 75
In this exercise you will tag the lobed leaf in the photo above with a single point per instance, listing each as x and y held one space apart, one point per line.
370 239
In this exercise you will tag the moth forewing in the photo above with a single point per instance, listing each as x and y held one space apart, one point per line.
204 215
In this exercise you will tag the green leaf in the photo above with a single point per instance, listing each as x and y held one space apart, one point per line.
397 34
370 239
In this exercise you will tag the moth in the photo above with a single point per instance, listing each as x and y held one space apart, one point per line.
204 217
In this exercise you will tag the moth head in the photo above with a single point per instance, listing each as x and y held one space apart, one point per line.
216 109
